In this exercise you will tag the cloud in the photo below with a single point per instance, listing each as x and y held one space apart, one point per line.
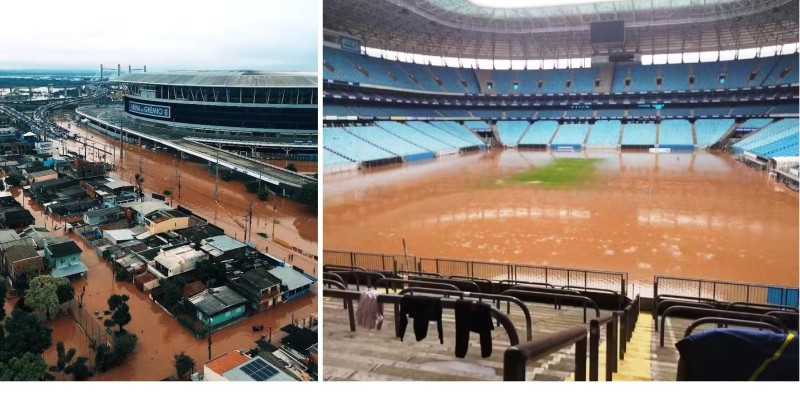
162 34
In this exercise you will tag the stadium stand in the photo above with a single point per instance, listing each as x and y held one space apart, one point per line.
710 131
572 135
477 125
639 135
381 139
674 77
675 134
339 141
604 134
777 139
417 137
539 133
755 123
509 132
711 111
784 109
459 131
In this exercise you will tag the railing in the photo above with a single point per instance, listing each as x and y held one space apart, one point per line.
527 295
627 321
610 321
725 291
704 312
447 303
516 358
415 283
531 273
555 276
488 296
372 261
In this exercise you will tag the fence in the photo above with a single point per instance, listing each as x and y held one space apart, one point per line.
616 281
373 261
91 326
725 291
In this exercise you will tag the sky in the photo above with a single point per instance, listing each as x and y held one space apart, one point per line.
162 34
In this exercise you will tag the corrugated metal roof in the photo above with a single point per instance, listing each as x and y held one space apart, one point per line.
249 79
290 278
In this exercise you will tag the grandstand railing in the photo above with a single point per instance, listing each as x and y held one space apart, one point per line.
616 281
725 291
574 278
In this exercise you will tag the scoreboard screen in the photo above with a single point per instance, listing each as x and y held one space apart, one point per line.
607 31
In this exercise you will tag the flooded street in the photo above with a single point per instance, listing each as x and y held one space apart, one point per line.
696 215
161 336
296 224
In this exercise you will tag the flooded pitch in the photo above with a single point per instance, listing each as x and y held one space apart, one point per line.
696 215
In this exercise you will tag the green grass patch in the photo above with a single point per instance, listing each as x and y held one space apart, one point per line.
563 172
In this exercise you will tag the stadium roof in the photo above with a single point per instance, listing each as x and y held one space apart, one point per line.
462 28
249 79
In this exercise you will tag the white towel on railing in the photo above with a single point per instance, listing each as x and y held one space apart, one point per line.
369 312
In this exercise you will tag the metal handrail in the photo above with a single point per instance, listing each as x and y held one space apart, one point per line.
722 314
473 287
478 295
469 278
358 274
663 297
672 303
331 282
516 282
517 357
527 293
771 307
731 321
533 286
447 303
335 277
594 346
342 267
420 273
411 281
585 289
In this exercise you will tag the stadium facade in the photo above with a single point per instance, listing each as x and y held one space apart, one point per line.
251 103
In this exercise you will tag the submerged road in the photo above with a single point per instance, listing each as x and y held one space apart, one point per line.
115 118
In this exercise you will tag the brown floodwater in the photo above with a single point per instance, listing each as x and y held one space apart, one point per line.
160 336
698 215
296 225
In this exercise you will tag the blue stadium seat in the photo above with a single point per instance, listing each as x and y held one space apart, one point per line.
509 132
539 133
675 133
639 134
710 131
604 133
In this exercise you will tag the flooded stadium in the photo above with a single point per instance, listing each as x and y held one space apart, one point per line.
698 215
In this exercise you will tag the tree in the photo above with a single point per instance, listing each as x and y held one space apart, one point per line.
42 296
25 334
28 367
64 360
308 195
173 291
168 193
14 179
79 370
252 186
65 293
292 167
139 181
121 316
263 194
209 270
184 365
124 344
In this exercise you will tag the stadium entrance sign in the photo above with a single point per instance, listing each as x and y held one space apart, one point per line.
149 109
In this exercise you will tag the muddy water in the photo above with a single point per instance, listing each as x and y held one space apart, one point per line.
160 336
696 215
296 224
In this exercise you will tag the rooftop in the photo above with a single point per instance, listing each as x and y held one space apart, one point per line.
20 252
249 79
259 370
260 278
226 362
64 249
290 278
217 245
216 300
